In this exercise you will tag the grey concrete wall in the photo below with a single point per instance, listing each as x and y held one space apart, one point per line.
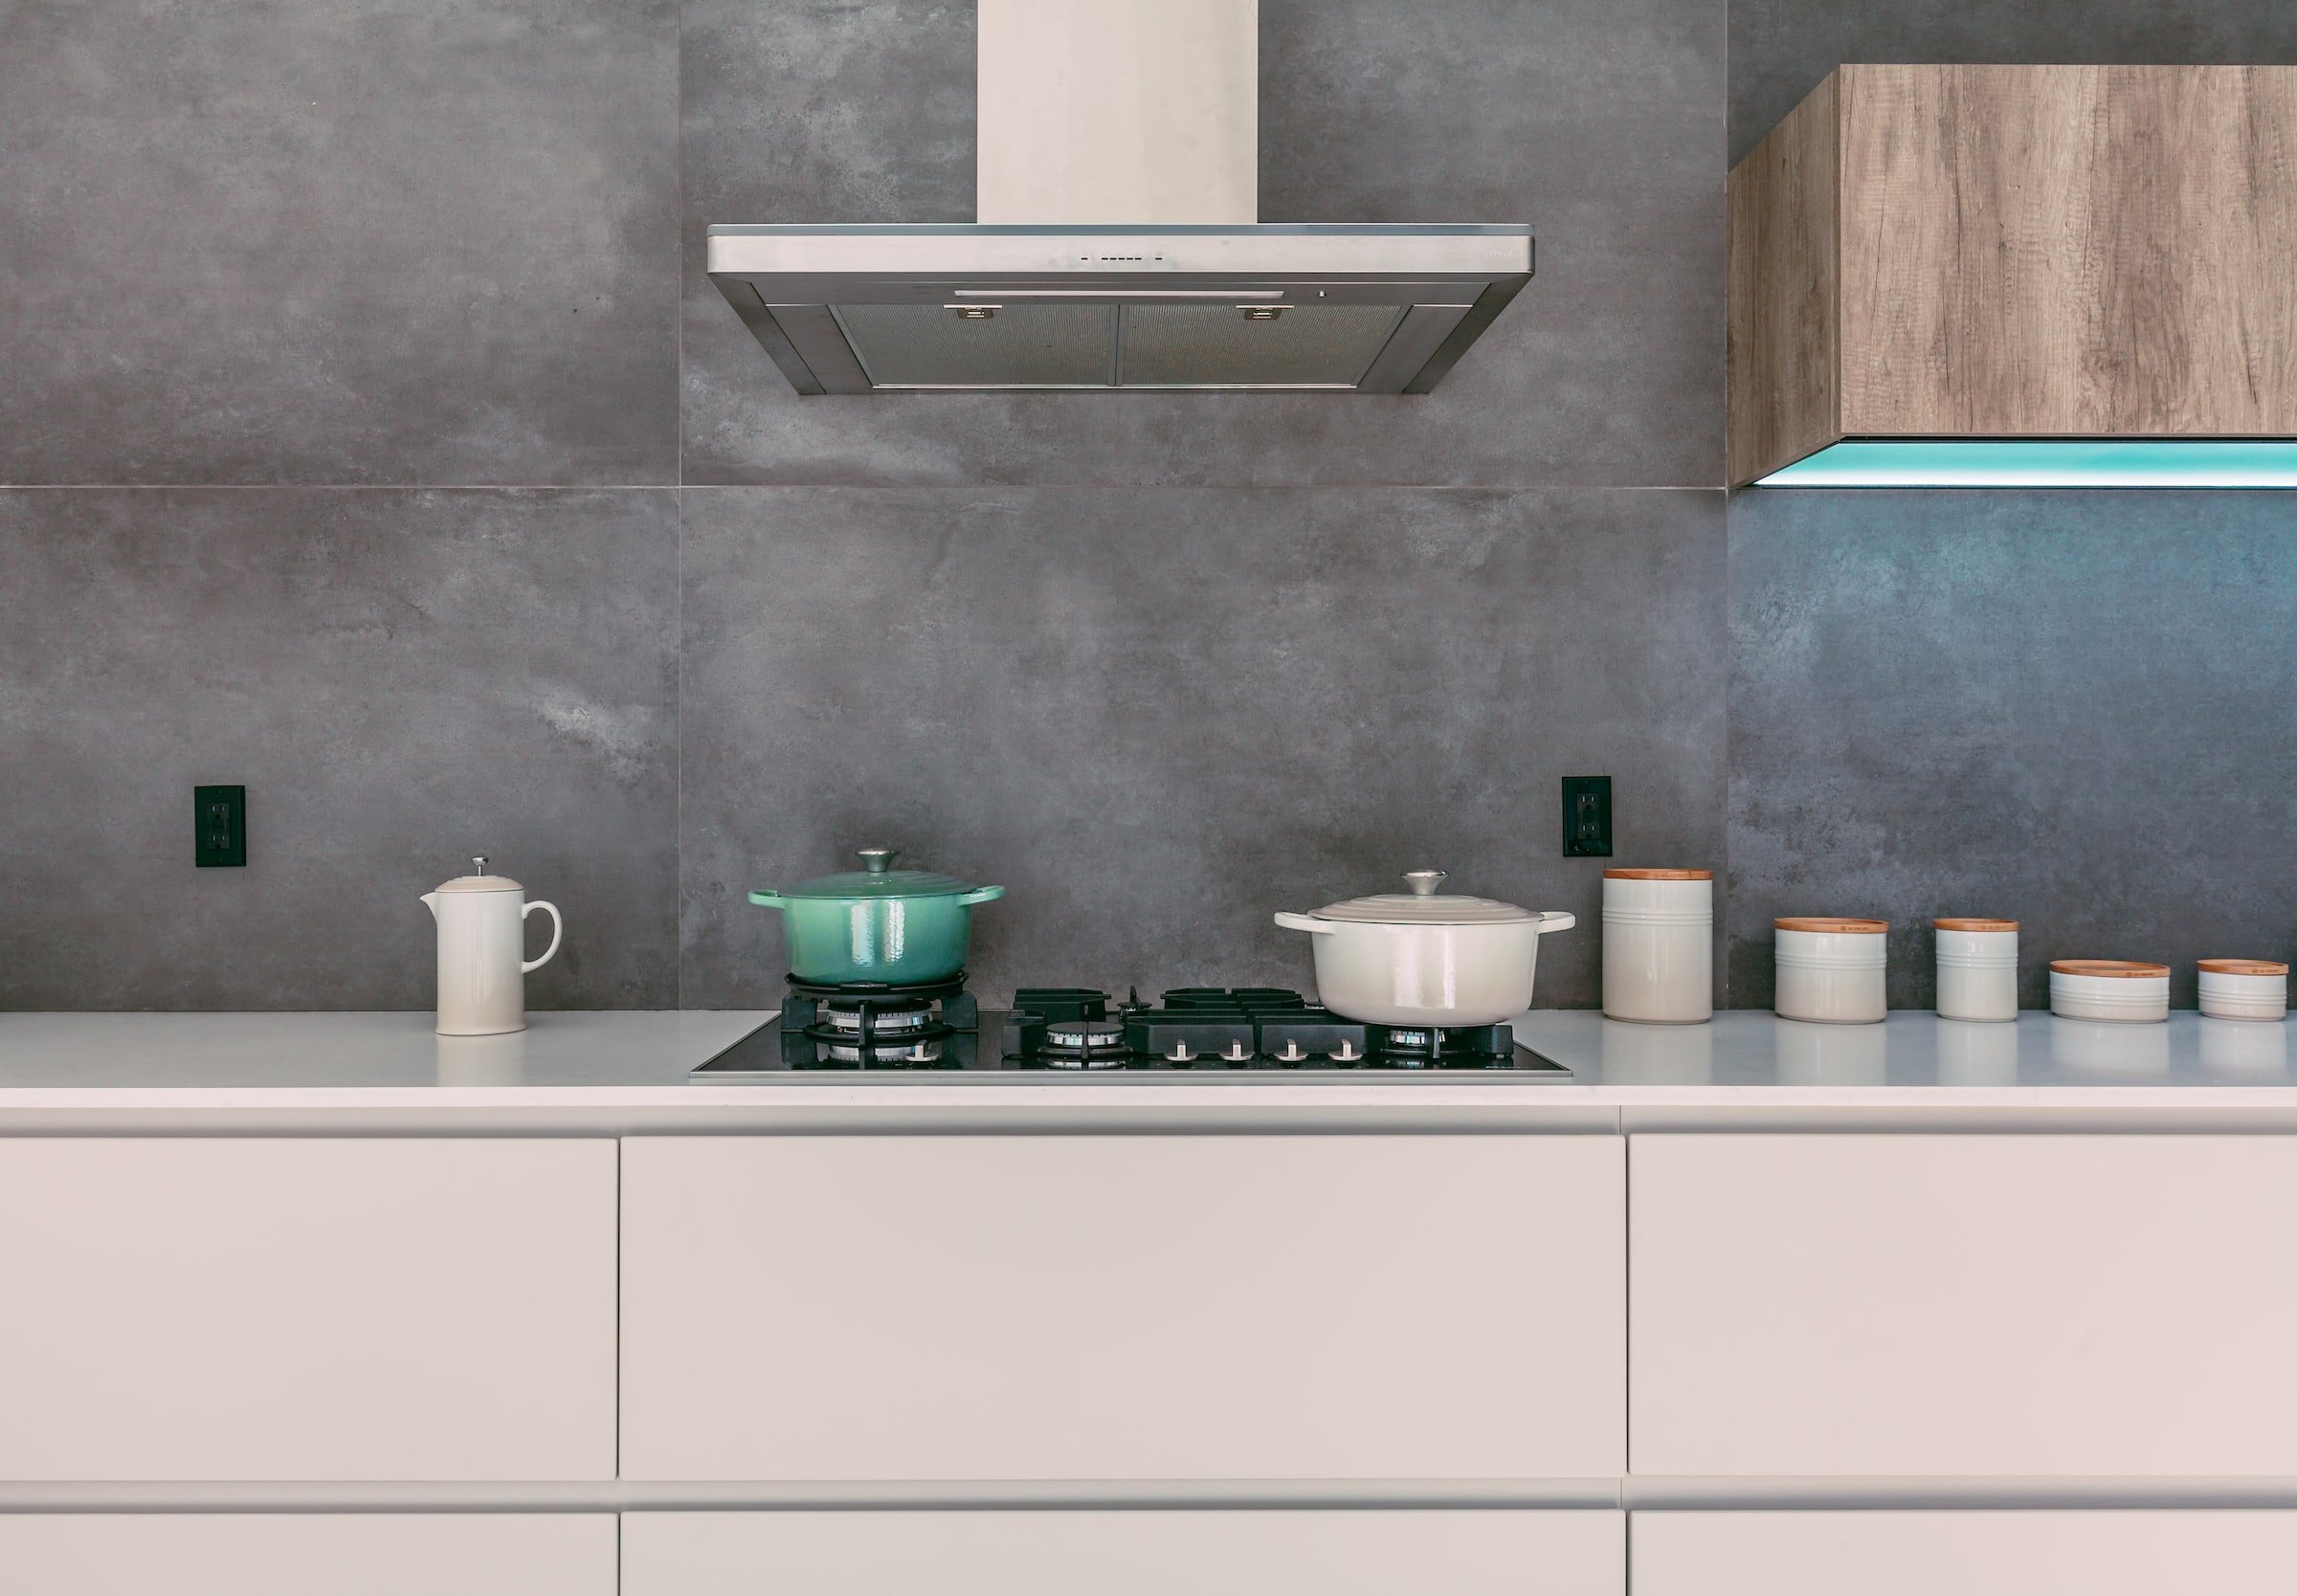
369 434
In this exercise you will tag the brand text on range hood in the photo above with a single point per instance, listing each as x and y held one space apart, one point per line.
1128 257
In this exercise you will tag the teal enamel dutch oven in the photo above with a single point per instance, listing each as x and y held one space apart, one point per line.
878 923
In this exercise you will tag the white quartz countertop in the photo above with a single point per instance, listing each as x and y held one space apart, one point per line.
628 1070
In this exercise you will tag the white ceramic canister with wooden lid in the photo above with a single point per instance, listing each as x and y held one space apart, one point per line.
1832 969
1978 968
2117 991
2245 988
1659 945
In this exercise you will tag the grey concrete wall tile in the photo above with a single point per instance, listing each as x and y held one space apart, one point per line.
1159 717
1780 49
2072 709
1600 121
382 241
399 679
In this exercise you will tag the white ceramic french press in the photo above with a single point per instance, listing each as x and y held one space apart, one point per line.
481 951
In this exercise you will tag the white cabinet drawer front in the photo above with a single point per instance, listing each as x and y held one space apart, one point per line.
316 1554
1882 1305
1123 1307
1136 1553
306 1310
2118 1553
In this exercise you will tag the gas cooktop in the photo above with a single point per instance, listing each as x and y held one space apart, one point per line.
1078 1034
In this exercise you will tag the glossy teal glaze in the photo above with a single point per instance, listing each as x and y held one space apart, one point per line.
901 927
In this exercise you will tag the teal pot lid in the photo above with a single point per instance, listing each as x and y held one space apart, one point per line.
878 879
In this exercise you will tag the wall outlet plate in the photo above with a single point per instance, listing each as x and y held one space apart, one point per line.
219 826
1587 817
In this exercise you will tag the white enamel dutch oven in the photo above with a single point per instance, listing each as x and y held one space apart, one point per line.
1423 958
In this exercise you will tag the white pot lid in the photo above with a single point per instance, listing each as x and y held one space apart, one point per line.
478 880
1424 905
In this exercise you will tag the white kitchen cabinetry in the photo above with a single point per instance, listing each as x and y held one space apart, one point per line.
1998 1553
347 1309
1972 1305
1123 1307
316 1554
1141 1552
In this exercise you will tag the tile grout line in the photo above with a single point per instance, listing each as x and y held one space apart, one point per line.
678 611
875 487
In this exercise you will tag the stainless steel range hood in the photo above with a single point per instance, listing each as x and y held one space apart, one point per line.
1117 249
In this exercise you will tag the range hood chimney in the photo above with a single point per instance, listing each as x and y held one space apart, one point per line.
1118 246
1123 113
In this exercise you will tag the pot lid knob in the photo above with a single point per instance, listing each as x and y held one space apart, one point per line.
877 861
1425 882
478 864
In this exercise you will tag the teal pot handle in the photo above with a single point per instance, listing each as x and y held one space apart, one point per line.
979 895
767 900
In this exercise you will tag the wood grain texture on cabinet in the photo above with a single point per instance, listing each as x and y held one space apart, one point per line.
334 1309
308 1554
1141 1552
2018 251
2149 1552
1964 1306
1784 297
1123 1307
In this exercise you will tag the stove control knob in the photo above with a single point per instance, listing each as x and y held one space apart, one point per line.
1346 1053
1181 1054
1236 1053
1293 1053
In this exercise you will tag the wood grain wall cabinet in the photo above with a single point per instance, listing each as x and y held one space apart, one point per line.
2017 253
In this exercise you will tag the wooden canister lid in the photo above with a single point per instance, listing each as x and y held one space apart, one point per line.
2244 966
1824 922
2124 970
1658 876
1976 924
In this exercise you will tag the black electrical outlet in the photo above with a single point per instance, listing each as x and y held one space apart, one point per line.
1587 817
219 817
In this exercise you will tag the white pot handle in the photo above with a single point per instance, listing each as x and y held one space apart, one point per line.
1555 919
558 929
1304 922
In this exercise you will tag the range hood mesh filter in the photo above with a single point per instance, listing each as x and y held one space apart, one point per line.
928 346
1304 347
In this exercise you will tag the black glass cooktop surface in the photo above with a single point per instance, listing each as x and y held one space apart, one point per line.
1261 1034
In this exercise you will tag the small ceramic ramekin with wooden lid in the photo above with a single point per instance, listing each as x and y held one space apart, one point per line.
1978 968
2120 990
1659 945
2245 988
1832 970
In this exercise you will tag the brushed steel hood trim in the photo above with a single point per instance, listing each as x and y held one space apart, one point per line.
1448 281
1259 249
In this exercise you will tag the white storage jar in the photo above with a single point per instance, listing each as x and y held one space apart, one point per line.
2239 988
2114 989
1831 970
1659 943
1977 969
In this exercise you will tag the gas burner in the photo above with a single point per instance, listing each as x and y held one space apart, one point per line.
1084 1044
883 1022
1476 1047
882 1054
